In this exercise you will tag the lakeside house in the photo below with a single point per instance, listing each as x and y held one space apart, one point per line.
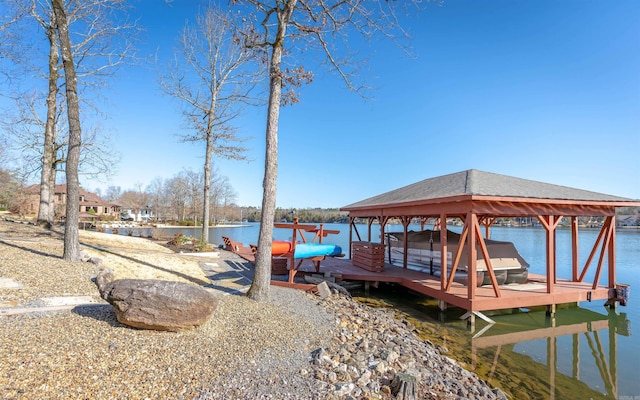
91 205
145 214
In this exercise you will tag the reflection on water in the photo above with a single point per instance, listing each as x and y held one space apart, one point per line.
527 354
575 353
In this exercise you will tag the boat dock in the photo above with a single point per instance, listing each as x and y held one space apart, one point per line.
529 294
477 200
532 293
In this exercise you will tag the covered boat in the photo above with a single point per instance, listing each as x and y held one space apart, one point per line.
424 250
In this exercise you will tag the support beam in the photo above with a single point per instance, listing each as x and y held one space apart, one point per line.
456 259
574 249
605 247
550 222
612 255
487 260
443 252
592 254
351 226
382 220
472 252
551 311
405 241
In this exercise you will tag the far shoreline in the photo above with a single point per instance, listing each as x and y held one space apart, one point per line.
160 226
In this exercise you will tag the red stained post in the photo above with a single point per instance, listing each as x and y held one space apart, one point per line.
612 255
443 252
405 240
574 249
472 277
550 226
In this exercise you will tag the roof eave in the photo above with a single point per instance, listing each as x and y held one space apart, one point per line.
484 198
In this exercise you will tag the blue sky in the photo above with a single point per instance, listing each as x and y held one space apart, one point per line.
548 91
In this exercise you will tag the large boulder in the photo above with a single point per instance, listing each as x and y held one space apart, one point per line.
156 304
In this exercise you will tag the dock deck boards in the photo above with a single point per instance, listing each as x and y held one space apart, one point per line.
511 296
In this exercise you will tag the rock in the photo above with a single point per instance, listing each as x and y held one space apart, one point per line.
156 304
84 256
343 389
96 260
403 387
364 379
499 394
323 290
319 281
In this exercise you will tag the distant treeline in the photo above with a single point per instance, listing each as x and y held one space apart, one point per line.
326 215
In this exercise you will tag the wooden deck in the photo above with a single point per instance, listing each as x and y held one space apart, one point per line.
533 293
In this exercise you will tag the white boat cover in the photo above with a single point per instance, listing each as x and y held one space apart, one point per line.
424 249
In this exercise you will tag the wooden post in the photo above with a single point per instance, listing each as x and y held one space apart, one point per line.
551 312
472 277
549 222
350 236
405 241
612 254
383 223
443 251
574 249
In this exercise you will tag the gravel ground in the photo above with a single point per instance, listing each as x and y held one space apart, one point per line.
297 346
246 350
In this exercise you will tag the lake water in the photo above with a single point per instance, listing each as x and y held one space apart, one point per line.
587 352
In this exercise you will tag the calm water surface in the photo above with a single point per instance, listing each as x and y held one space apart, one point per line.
587 352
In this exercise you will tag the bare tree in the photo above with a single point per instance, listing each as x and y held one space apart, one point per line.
102 42
210 76
323 25
71 236
10 17
195 187
157 200
135 199
177 193
25 131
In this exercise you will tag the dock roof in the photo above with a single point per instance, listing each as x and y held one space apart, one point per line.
476 184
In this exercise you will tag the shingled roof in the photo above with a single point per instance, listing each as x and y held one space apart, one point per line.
479 183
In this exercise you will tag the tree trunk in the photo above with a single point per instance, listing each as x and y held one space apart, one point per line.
207 180
259 289
71 234
46 211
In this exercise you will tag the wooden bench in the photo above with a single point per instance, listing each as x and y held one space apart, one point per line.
231 245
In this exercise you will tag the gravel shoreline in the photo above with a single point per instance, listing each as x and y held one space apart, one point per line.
297 346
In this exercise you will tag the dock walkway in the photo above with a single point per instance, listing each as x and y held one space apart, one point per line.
530 294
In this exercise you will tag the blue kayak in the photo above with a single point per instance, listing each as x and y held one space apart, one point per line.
306 250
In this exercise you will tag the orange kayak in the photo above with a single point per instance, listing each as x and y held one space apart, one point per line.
279 247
